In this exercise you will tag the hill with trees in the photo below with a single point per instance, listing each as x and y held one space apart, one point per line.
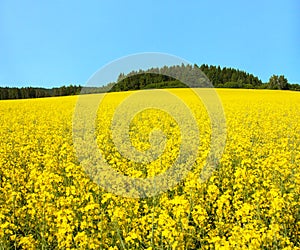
219 78
160 78
164 77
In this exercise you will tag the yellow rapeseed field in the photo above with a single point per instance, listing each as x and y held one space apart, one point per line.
251 201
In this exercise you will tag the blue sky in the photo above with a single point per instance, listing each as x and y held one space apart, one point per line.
51 43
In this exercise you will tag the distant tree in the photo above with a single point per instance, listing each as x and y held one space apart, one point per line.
294 86
234 85
278 82
283 82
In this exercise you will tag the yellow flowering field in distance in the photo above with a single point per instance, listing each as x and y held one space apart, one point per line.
251 201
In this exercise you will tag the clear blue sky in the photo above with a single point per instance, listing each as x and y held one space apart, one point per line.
51 43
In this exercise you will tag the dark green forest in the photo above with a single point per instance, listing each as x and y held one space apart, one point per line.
31 92
219 77
165 77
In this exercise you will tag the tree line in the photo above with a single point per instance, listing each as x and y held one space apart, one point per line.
218 77
7 93
164 77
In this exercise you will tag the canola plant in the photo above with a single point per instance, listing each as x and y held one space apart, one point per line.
49 200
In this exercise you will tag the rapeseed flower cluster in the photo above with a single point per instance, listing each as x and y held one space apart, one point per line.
251 201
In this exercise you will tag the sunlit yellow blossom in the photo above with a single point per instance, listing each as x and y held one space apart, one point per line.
47 201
